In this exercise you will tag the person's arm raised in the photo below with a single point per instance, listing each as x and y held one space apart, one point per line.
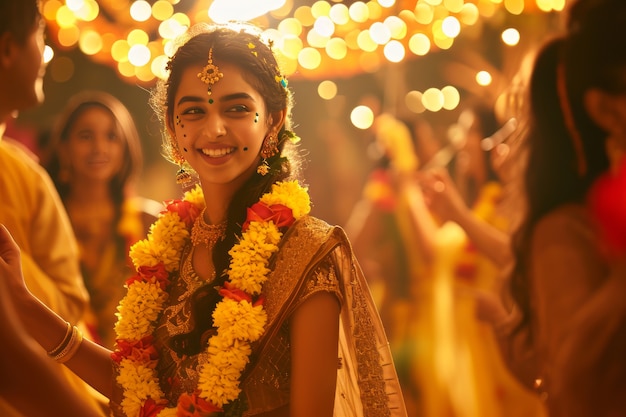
90 361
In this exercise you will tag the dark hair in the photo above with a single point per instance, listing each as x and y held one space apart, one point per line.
591 55
19 17
229 44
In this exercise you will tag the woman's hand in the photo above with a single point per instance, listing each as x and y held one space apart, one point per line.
441 195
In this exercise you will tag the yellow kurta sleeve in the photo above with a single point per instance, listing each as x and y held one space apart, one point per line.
33 212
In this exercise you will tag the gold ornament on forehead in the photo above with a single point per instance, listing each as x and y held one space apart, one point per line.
210 74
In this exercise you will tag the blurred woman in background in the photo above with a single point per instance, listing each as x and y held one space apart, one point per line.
94 158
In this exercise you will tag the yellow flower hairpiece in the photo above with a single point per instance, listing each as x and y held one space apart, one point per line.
210 74
252 46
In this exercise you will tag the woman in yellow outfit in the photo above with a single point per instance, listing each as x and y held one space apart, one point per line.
459 367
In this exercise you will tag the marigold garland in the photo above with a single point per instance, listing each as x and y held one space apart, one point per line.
239 317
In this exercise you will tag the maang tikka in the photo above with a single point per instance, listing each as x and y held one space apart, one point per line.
210 74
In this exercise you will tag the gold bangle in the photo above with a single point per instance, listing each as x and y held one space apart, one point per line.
72 347
64 341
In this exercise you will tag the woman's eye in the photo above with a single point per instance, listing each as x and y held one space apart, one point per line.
193 110
239 108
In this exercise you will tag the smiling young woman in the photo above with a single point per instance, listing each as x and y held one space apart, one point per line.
242 303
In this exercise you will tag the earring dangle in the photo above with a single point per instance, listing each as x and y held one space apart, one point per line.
183 177
269 149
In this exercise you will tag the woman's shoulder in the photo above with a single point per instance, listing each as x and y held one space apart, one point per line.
568 226
568 219
315 230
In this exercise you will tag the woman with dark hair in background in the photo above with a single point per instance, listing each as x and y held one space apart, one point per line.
569 280
94 158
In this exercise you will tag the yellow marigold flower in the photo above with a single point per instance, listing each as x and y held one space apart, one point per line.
239 320
142 254
138 310
290 194
219 378
139 380
195 196
249 278
171 229
168 254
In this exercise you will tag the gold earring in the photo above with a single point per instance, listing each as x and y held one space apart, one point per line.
270 146
183 177
269 149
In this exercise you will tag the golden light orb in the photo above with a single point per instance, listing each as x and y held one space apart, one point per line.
304 15
469 14
320 8
90 42
309 58
362 117
380 33
68 36
413 101
119 50
397 27
65 17
336 48
483 78
515 7
327 90
140 11
162 10
339 14
394 51
511 36
290 26
137 37
424 13
324 26
139 55
158 66
359 12
451 97
48 54
451 27
50 8
365 41
419 44
433 99
453 6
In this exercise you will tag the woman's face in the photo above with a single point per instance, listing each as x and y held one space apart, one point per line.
95 146
220 135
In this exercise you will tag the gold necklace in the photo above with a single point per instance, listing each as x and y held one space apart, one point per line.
207 234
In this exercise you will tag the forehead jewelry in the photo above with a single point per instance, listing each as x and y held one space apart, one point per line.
210 74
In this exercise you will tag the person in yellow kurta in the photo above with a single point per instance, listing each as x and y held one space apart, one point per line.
31 208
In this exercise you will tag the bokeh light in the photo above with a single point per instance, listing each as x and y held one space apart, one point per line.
362 117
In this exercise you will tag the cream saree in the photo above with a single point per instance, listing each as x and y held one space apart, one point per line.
317 257
312 257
